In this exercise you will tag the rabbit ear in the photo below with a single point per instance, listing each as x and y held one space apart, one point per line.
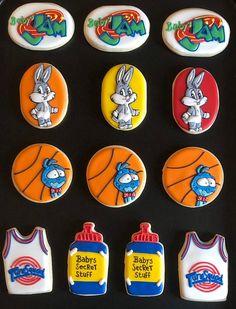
46 74
120 74
38 73
190 78
198 80
128 75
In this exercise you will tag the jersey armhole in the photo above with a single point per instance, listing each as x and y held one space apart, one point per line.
222 249
43 240
186 245
7 244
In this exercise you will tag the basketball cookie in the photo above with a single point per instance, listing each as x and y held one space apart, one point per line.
41 173
124 97
43 96
193 177
116 176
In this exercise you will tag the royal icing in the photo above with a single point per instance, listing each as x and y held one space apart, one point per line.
124 97
40 26
196 32
116 28
116 176
27 262
193 177
88 263
203 269
41 173
144 263
43 96
195 100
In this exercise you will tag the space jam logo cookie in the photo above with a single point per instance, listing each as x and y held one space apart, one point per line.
116 176
88 262
116 28
41 26
43 96
144 263
192 177
124 97
41 173
195 100
196 32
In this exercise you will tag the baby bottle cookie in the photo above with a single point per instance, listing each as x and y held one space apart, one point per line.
43 96
124 97
88 263
27 262
144 263
192 177
116 176
41 173
203 269
195 100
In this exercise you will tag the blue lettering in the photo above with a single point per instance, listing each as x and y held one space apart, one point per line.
26 271
195 278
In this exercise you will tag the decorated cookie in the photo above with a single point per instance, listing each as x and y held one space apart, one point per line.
144 263
196 33
27 262
193 177
116 28
40 26
124 97
88 263
116 176
203 269
41 173
195 100
43 96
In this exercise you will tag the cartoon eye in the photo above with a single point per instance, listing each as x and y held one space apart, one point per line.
40 89
134 177
203 182
52 174
125 178
212 182
130 91
193 95
61 173
122 92
200 95
48 90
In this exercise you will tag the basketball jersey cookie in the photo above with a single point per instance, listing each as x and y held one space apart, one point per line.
116 176
196 32
193 177
41 173
116 28
195 100
27 262
43 96
124 97
203 269
88 260
40 26
144 263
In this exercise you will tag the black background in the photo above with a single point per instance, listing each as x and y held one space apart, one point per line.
84 131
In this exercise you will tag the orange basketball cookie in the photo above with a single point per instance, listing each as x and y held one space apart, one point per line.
116 176
42 173
43 96
193 177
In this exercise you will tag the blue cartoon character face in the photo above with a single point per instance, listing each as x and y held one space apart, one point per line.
126 181
203 184
53 176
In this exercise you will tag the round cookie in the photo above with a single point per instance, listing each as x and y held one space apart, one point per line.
192 177
124 97
116 176
43 96
41 173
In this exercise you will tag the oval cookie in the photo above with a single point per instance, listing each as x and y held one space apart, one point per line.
43 96
195 100
41 26
196 32
193 177
41 173
124 97
116 28
116 176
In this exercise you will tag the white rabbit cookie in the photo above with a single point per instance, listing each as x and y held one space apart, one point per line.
124 97
195 100
43 96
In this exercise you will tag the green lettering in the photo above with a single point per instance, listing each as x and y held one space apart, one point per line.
138 28
59 28
13 21
30 39
187 44
169 26
125 28
204 33
90 23
116 21
43 24
197 25
105 37
218 34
